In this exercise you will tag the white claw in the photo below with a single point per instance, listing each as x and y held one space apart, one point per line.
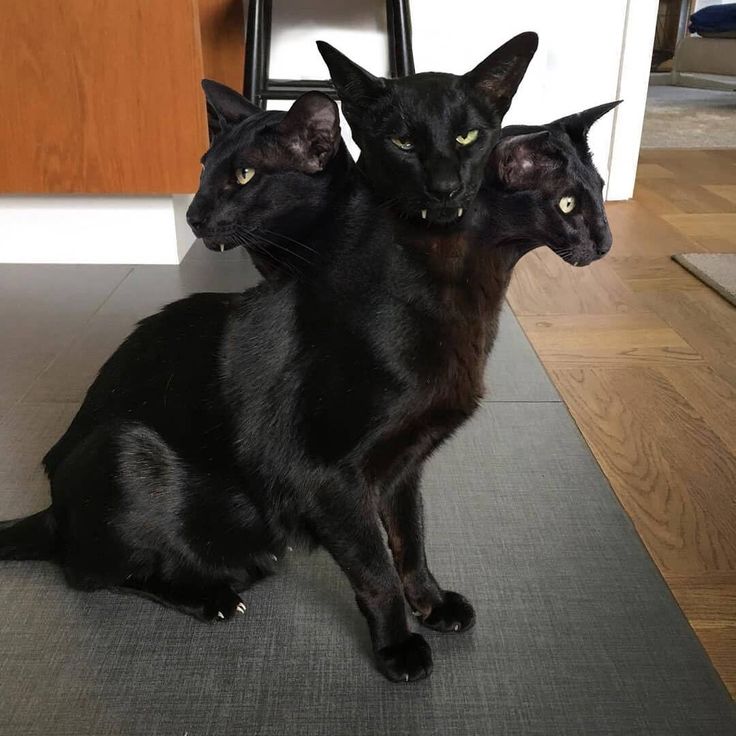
576 263
220 614
241 607
222 247
406 677
459 211
289 549
424 214
274 558
456 627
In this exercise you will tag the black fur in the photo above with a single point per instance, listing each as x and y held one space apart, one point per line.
31 538
532 168
228 425
430 110
295 157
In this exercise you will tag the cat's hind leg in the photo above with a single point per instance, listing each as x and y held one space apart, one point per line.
132 516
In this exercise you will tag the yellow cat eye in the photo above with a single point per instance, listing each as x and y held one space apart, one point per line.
567 204
243 176
470 137
403 143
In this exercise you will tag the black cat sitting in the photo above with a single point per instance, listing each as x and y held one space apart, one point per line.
227 425
540 187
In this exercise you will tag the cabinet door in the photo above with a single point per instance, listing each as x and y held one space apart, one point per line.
100 96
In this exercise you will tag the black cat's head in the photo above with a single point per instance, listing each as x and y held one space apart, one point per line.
553 168
425 139
264 171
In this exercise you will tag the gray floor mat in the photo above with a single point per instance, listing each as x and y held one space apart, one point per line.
718 270
576 634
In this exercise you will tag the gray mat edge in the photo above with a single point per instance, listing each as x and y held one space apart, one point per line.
684 260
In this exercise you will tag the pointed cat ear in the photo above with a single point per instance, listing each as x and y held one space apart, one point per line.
497 77
521 161
311 131
578 125
356 87
225 106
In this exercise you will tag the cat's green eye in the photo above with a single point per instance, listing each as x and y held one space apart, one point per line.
243 176
403 143
567 204
470 137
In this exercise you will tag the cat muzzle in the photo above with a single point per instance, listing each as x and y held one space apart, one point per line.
442 215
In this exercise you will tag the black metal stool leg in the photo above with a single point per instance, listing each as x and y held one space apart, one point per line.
399 31
251 61
265 50
391 30
258 87
257 50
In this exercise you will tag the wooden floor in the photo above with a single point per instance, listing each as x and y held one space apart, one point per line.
644 355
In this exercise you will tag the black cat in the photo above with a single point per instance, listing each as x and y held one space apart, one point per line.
228 424
541 185
295 202
425 139
540 188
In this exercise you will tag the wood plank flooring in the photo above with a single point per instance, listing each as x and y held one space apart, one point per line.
644 355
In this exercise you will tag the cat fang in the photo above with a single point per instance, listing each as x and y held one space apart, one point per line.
460 211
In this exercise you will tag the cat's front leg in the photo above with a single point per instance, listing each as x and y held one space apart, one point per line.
349 527
403 518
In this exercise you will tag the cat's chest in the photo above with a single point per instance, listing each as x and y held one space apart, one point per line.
445 364
454 344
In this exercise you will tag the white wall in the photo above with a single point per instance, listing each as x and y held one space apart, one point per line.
578 65
638 36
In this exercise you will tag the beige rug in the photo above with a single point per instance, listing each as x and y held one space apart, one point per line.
718 270
680 117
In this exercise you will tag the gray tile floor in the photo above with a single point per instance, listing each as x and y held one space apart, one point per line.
576 633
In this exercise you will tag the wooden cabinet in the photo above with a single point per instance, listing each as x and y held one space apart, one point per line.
104 97
222 30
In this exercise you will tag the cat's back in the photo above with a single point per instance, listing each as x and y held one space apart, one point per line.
158 373
183 338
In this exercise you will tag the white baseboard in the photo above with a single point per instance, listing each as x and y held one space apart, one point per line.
101 229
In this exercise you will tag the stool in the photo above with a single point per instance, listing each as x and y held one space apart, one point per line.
259 88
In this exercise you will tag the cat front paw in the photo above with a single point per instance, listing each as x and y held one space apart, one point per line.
454 614
406 661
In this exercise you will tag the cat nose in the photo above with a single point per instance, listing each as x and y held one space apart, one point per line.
196 219
604 243
445 187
